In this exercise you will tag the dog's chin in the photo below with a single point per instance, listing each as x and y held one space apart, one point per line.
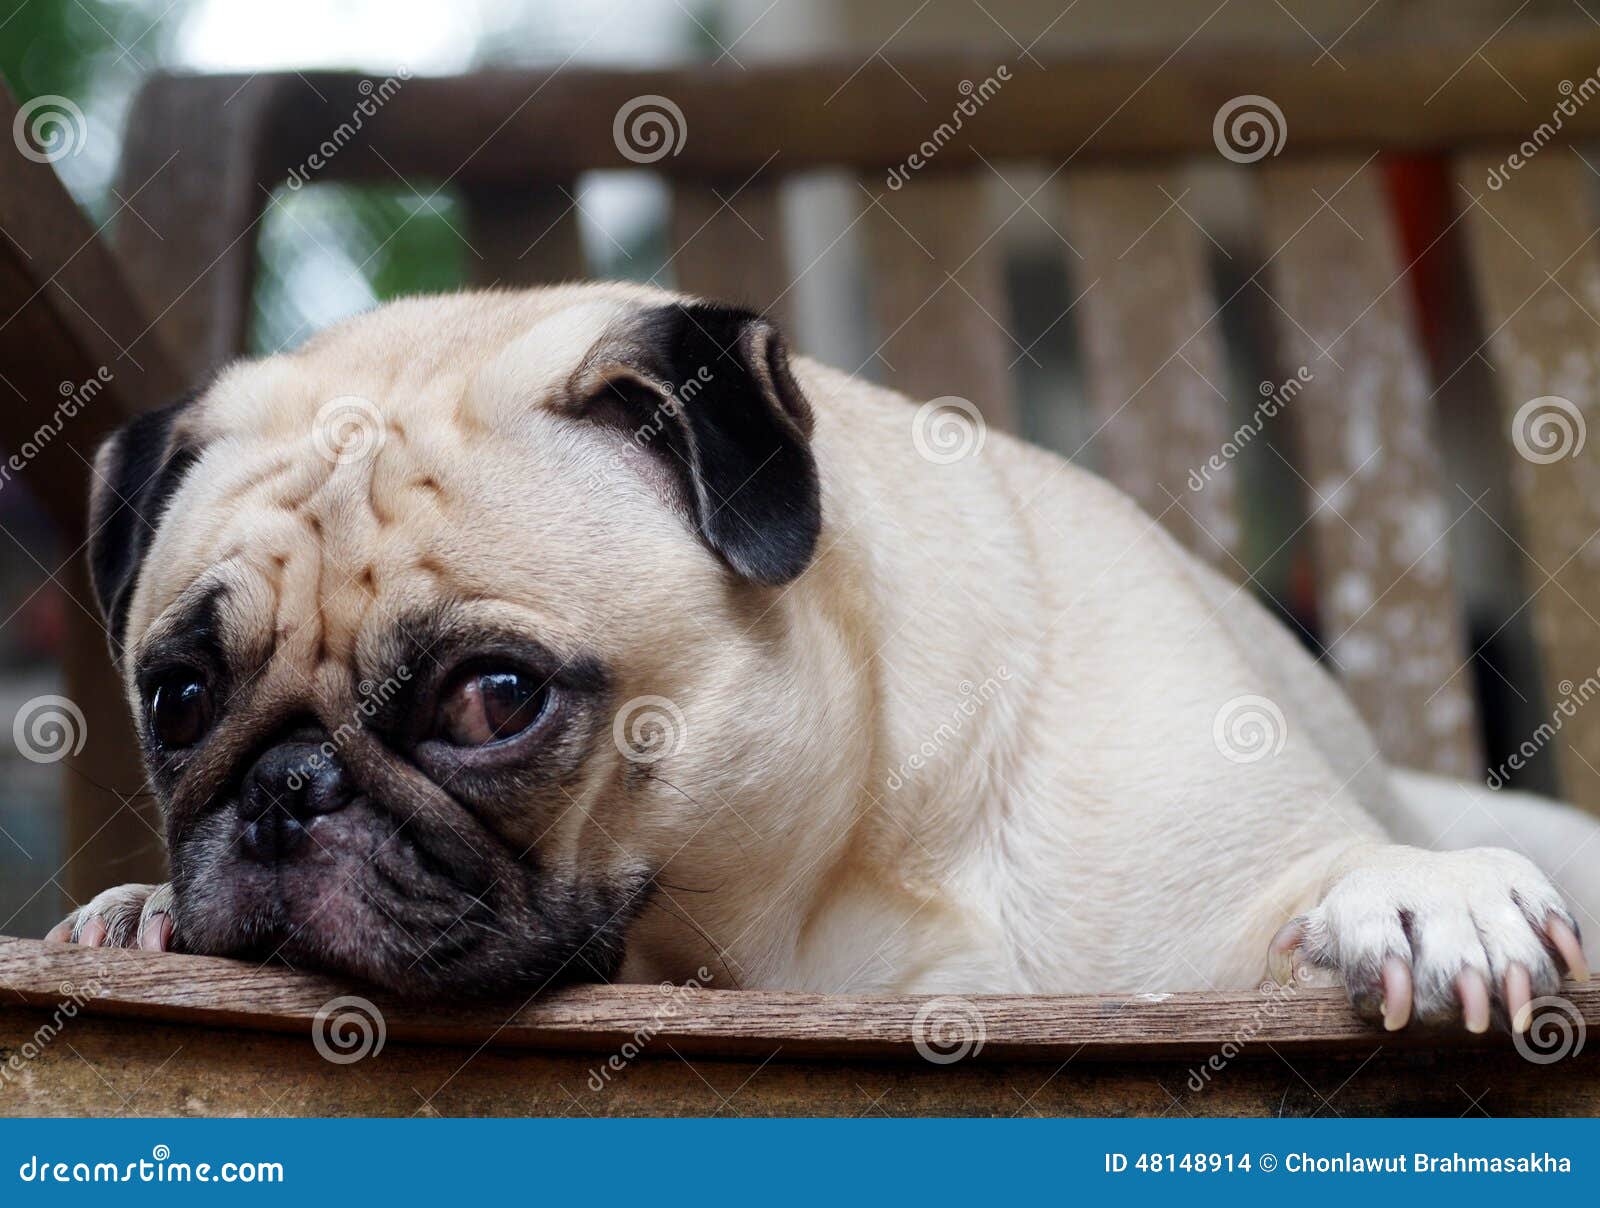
363 898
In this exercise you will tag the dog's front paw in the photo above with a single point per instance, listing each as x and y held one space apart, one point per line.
129 916
1437 935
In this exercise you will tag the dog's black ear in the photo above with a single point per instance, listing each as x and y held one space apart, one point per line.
136 472
707 389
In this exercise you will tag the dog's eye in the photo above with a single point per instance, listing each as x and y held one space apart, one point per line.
180 710
485 705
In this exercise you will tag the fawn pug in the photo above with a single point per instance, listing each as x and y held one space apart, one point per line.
498 639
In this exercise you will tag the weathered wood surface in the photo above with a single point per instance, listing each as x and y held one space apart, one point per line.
170 1035
523 237
938 299
1153 352
107 1066
728 244
68 319
192 167
1389 609
78 356
225 993
1106 103
1537 273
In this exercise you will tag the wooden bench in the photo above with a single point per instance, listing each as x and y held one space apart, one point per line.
154 1034
1115 133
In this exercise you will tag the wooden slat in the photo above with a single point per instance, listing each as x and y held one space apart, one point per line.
1369 452
69 321
67 312
728 244
103 1065
191 174
155 1033
113 826
1537 273
201 150
225 993
1093 103
523 236
938 299
1156 376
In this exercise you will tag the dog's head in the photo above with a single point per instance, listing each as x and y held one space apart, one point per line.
440 631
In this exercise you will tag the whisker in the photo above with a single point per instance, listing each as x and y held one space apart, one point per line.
677 912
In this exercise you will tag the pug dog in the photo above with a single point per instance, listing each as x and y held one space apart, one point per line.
491 641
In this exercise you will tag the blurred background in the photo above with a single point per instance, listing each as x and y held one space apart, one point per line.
332 249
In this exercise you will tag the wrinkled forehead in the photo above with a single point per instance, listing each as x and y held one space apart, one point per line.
479 360
398 467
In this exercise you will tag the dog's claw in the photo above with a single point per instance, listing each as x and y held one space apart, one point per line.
1519 993
1474 994
1396 994
1566 944
157 933
1280 953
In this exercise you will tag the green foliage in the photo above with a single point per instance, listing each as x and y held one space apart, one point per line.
323 251
330 250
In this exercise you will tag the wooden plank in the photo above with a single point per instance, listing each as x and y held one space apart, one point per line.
67 315
728 244
1153 355
191 171
113 824
523 237
1388 608
1537 274
1424 91
78 358
938 299
109 1066
222 993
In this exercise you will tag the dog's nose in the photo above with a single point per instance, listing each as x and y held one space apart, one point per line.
288 786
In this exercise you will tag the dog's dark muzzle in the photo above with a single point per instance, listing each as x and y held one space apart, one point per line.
286 790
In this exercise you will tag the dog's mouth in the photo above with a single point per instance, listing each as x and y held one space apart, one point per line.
361 891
